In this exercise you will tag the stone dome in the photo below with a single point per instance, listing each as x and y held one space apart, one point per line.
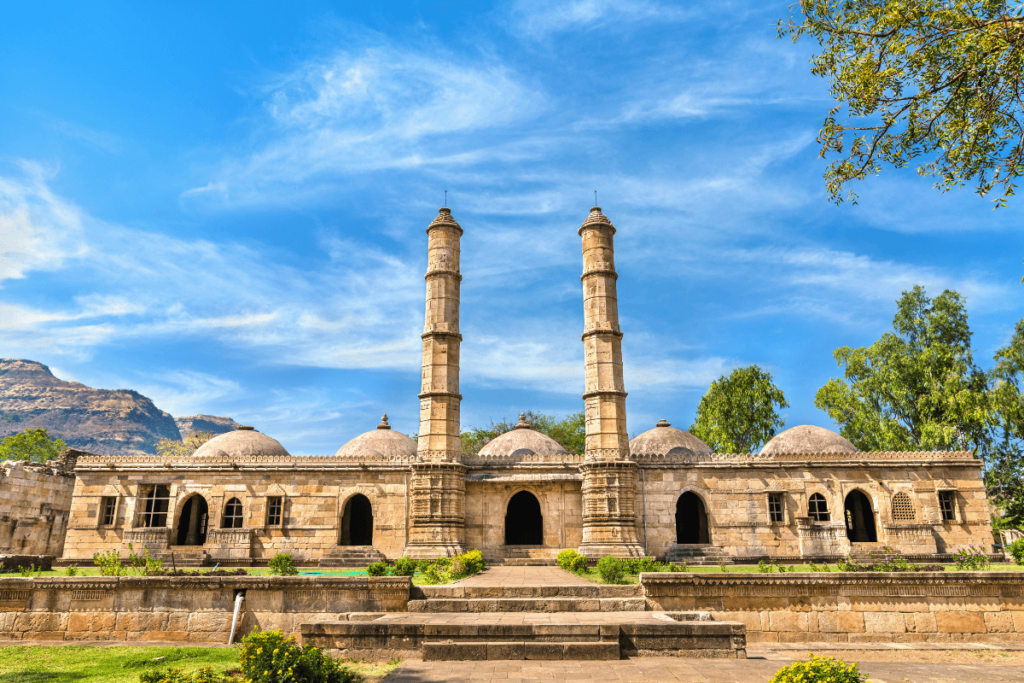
381 442
808 439
243 442
665 438
522 440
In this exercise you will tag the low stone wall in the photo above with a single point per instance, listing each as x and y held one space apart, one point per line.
194 609
936 607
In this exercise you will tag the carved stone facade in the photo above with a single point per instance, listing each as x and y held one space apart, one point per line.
809 494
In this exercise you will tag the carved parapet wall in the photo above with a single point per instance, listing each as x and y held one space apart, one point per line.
939 607
681 456
295 463
184 608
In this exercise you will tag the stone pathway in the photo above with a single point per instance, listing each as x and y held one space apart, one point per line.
673 669
523 576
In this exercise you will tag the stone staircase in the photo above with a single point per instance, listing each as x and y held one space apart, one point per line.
698 554
527 556
351 556
539 599
184 556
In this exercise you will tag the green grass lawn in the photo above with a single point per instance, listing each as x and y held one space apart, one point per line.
592 575
80 664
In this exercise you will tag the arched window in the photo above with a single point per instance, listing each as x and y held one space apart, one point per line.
817 508
902 508
232 515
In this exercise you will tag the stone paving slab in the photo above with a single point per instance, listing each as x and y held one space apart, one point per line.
559 618
671 669
523 576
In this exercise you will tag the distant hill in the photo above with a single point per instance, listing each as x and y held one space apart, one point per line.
103 421
205 423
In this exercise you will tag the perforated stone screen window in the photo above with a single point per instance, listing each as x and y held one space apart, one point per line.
274 505
902 508
232 515
775 508
817 508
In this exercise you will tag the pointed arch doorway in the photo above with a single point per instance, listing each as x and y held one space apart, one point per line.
357 521
860 520
524 523
691 520
192 522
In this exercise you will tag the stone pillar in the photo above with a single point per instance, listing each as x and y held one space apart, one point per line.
437 517
192 536
609 476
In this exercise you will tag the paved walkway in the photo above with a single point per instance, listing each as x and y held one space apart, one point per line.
672 669
523 576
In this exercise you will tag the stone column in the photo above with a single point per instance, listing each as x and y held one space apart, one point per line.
437 517
609 476
192 536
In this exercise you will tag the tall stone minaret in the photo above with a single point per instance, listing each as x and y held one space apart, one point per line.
609 476
438 495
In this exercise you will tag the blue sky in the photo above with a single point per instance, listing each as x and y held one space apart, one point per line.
223 205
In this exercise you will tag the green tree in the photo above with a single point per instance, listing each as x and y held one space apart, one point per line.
1004 472
568 432
738 412
939 81
31 444
174 448
916 388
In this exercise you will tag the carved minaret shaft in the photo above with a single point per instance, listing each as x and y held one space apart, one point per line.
609 476
438 478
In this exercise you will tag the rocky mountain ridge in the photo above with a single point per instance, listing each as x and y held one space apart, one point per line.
102 421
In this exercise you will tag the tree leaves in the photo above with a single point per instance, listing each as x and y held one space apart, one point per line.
937 80
32 444
737 414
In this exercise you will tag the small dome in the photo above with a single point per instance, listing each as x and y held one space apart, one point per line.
522 440
665 438
381 443
243 442
808 439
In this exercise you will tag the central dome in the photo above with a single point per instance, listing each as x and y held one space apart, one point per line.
243 442
522 440
808 439
380 442
664 439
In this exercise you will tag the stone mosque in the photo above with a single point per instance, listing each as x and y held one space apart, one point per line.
808 495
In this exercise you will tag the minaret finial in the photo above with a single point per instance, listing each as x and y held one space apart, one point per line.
384 422
523 424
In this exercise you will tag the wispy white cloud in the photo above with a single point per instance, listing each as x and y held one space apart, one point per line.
538 19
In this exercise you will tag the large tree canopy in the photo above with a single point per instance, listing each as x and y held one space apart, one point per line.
738 412
31 444
935 81
916 388
1004 474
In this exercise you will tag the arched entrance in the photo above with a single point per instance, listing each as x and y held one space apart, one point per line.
192 522
524 524
357 521
691 519
860 520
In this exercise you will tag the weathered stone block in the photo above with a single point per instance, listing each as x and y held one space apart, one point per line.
884 622
960 622
999 622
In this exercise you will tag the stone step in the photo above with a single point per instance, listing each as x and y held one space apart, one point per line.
352 556
517 650
585 590
698 554
546 605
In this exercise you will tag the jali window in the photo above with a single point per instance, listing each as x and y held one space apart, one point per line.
274 507
775 514
947 505
155 500
817 508
232 515
902 508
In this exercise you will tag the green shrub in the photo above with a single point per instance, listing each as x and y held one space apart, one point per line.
579 564
423 565
673 567
971 558
109 563
448 569
1016 550
377 569
611 569
819 670
565 558
269 657
636 565
202 675
282 565
72 570
405 567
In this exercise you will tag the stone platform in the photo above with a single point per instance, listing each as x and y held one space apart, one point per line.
523 635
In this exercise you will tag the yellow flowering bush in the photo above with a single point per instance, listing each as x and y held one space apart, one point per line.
819 670
269 657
